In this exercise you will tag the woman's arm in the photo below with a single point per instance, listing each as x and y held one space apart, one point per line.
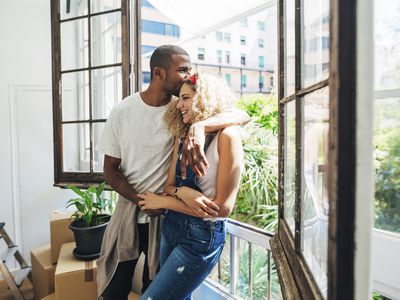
193 153
169 201
152 200
229 169
228 176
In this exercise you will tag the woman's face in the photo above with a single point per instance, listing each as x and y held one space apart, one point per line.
185 103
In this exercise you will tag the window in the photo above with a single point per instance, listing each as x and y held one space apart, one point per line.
201 53
244 80
261 82
243 59
260 43
227 57
227 37
261 25
242 40
146 77
228 78
219 56
88 63
304 115
261 61
147 49
219 36
146 3
243 22
160 28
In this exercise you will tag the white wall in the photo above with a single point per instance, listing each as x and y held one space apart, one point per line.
26 152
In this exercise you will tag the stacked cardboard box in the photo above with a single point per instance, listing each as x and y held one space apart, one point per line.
57 274
74 279
59 232
42 271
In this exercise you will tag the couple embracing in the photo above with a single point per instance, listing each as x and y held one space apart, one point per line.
176 164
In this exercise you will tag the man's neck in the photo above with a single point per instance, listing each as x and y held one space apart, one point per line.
155 97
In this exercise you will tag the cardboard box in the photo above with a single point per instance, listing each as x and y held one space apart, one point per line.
59 232
49 297
74 279
42 271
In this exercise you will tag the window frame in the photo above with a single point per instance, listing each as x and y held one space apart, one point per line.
295 276
82 179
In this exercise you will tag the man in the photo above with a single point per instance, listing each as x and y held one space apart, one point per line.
138 150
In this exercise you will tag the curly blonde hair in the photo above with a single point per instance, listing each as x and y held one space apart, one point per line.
212 96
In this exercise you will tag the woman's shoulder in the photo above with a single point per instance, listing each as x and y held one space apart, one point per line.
231 132
229 135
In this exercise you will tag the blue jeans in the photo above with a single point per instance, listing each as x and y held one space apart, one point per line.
190 248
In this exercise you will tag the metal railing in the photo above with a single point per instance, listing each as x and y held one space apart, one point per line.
239 233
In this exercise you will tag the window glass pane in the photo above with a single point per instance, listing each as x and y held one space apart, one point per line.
73 8
74 44
76 147
387 44
75 96
290 164
387 163
315 208
289 69
98 158
106 39
106 91
315 47
104 5
387 115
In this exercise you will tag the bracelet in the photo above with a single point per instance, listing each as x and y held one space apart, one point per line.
176 193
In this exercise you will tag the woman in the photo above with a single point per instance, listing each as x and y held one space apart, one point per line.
193 235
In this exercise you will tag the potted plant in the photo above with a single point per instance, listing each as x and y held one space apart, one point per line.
89 221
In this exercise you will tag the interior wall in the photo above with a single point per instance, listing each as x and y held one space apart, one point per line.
26 129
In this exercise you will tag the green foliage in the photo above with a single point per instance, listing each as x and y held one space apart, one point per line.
258 195
376 296
387 167
262 109
91 205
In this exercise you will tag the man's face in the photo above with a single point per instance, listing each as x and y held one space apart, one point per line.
178 70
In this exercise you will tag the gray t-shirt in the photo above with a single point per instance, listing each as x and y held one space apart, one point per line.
136 133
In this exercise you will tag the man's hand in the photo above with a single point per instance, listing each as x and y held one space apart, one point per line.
193 151
151 204
200 204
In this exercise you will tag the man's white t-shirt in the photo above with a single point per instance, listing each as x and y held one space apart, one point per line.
136 133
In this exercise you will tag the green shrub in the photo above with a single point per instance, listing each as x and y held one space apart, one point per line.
258 195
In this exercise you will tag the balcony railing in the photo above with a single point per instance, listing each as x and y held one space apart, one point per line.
245 270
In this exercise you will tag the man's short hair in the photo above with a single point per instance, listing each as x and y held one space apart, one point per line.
162 56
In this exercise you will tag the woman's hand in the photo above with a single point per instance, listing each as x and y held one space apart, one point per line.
193 151
151 201
197 201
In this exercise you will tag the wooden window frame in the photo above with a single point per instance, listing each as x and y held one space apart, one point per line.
295 277
84 179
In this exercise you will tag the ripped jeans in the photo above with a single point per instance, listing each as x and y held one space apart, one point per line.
190 248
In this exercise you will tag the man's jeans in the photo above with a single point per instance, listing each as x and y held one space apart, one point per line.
190 248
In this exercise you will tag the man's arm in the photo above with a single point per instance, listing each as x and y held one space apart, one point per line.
193 147
119 183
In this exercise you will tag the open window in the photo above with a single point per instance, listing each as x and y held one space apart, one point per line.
90 48
315 248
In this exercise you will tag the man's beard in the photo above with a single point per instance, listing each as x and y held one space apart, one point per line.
172 92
